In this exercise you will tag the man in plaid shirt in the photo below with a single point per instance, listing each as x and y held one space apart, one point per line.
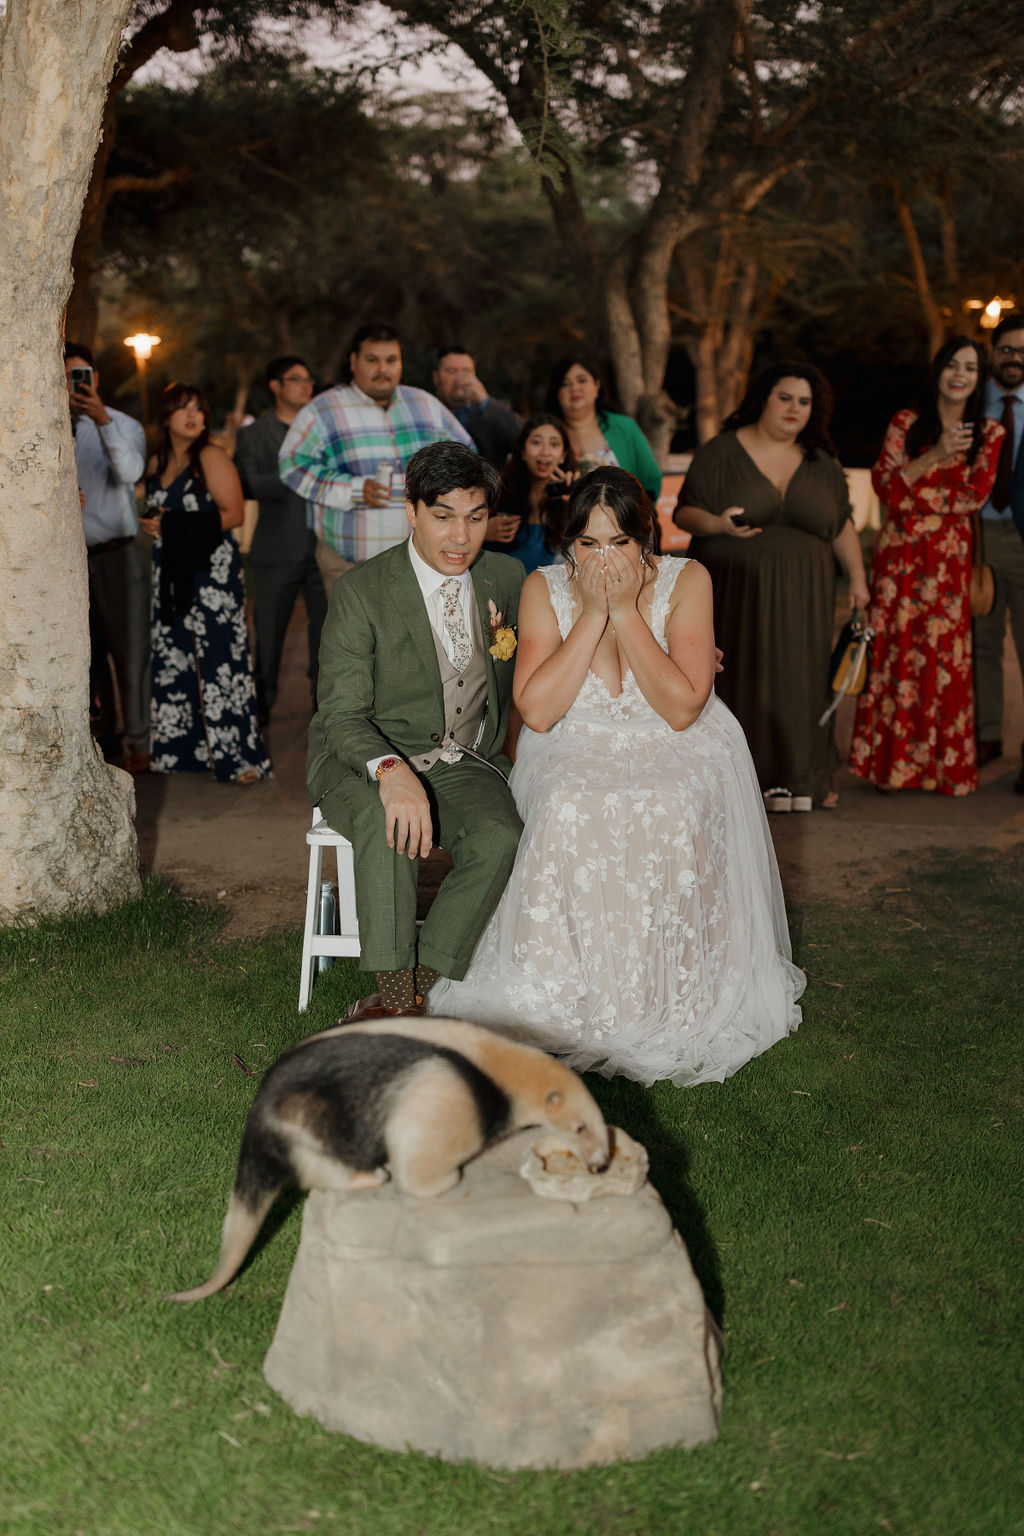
346 451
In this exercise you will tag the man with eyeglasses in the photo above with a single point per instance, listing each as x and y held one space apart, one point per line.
283 553
1002 538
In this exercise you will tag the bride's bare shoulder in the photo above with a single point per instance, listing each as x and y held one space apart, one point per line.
535 598
691 576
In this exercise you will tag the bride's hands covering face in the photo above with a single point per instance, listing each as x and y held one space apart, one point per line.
592 583
624 580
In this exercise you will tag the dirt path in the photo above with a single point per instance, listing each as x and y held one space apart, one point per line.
245 846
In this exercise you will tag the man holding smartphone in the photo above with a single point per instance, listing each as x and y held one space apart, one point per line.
110 456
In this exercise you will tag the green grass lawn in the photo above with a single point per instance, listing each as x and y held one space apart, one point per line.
851 1201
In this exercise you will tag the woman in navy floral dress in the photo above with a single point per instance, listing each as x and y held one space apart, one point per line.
204 700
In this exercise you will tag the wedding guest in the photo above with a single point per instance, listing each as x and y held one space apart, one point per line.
110 456
346 452
204 699
492 424
282 558
768 506
537 481
599 435
642 930
1002 536
915 719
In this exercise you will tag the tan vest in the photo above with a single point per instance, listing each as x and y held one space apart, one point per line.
465 694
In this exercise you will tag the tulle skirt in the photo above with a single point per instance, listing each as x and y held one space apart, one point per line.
643 929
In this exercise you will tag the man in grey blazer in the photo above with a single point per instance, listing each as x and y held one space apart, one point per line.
283 554
406 748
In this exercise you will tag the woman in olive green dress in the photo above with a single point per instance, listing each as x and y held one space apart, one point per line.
768 507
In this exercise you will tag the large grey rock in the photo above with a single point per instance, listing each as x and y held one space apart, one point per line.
493 1326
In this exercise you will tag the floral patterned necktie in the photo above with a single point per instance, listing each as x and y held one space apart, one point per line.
462 645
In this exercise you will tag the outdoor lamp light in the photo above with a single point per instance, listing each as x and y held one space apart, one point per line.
142 345
992 312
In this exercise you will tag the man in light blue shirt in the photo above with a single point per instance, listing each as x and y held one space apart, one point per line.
110 456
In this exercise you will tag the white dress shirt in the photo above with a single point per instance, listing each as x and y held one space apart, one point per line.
431 582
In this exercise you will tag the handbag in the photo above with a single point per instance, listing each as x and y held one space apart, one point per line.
849 666
983 584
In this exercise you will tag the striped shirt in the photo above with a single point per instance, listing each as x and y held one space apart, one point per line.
338 440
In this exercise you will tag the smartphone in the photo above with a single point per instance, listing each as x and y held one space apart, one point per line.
81 378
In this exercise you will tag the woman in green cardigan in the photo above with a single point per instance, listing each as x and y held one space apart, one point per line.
599 436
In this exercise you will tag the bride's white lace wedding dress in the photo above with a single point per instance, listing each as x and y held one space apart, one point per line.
643 929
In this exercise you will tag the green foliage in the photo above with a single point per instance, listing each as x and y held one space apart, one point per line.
304 209
849 1201
307 204
824 107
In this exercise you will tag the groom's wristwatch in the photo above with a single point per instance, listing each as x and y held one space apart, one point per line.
385 765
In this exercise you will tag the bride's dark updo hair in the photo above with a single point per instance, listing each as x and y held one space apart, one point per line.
624 497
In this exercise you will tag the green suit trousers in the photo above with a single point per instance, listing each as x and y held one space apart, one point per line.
475 819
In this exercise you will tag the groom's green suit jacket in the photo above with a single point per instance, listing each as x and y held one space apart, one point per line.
379 688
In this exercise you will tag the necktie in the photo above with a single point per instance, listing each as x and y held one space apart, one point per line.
1001 489
462 645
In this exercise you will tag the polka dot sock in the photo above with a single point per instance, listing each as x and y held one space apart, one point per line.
397 989
425 978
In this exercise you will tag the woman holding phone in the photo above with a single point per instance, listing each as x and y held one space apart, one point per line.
768 507
204 698
915 719
538 478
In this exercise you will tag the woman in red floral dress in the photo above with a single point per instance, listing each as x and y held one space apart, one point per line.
915 719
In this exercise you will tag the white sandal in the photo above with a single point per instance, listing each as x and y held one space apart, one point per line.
778 799
803 803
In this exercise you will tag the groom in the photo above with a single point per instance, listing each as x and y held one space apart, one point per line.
414 691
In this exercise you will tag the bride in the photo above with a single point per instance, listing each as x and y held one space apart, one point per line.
643 929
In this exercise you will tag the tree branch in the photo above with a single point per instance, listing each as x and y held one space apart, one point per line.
127 183
174 27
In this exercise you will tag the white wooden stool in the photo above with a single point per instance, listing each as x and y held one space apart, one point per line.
346 940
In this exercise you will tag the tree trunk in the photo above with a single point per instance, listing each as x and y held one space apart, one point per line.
83 309
637 307
932 313
173 27
67 835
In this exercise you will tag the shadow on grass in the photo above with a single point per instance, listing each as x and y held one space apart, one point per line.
280 1213
644 1113
162 919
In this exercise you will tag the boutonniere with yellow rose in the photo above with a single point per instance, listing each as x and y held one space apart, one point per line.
502 636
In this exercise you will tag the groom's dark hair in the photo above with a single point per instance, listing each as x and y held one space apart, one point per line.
625 499
442 467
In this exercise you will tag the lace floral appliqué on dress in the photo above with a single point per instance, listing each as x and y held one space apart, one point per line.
643 929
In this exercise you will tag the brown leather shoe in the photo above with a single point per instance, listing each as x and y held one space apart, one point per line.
372 1008
988 752
135 762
